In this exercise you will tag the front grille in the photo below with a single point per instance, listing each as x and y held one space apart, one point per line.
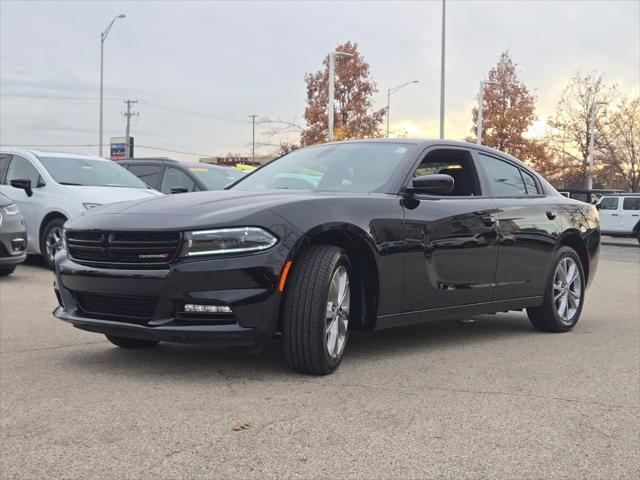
136 248
141 308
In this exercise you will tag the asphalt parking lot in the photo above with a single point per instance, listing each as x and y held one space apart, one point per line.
491 398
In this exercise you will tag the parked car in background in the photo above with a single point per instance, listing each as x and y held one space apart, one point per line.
587 196
13 236
49 188
620 215
171 176
329 239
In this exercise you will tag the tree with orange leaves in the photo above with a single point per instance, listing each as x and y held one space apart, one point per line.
508 113
354 116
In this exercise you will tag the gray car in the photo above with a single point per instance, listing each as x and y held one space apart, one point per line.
13 236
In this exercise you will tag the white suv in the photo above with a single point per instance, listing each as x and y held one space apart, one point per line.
620 215
50 188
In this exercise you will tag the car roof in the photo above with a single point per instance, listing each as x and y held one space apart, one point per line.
42 153
432 142
621 194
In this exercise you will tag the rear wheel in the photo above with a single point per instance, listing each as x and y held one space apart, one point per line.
124 342
4 271
51 240
564 295
315 313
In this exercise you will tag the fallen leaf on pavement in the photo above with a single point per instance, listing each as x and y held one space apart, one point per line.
237 426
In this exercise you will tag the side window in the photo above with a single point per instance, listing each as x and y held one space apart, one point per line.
175 178
505 179
609 203
4 160
455 163
631 203
149 174
530 183
22 168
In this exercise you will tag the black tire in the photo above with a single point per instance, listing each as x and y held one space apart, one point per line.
4 271
546 317
124 342
52 225
304 310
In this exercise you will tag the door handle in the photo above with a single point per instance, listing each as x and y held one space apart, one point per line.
551 214
635 215
489 221
614 214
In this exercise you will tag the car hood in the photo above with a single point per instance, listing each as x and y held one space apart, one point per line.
190 210
104 195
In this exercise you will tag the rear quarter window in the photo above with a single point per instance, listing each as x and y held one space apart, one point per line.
631 203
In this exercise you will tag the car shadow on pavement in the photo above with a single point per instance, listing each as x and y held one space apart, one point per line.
202 361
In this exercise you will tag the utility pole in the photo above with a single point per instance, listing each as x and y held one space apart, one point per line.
103 37
442 73
253 136
128 114
592 131
332 79
483 84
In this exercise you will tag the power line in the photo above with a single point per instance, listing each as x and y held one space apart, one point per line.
55 97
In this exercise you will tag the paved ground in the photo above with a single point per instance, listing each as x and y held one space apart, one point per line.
487 399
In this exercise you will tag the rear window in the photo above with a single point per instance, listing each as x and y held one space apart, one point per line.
631 203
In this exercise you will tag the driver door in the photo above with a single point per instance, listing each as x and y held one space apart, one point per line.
451 241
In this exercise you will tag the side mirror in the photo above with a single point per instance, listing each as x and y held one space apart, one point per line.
598 206
436 184
24 184
179 189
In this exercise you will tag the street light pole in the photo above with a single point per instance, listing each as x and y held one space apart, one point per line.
103 37
442 72
391 91
332 79
253 136
592 128
483 84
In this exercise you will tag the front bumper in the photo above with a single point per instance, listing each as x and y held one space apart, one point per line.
13 240
246 284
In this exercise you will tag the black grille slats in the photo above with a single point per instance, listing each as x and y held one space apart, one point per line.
137 307
133 248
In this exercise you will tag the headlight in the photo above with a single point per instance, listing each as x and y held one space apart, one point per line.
227 240
91 205
10 210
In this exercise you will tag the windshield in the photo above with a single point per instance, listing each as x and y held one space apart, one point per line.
87 172
345 167
216 178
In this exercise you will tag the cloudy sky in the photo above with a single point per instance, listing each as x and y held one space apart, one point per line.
200 68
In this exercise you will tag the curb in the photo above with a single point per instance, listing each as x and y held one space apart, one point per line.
620 244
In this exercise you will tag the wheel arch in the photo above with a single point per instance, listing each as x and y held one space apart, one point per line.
45 220
573 239
360 250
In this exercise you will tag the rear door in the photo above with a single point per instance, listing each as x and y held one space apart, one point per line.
630 214
451 251
529 226
609 209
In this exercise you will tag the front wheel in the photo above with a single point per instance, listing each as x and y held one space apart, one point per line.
51 240
4 271
315 312
564 295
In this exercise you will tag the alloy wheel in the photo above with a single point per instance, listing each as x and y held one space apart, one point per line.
567 290
338 312
53 242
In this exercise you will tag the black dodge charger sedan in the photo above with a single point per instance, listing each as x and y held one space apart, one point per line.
328 239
